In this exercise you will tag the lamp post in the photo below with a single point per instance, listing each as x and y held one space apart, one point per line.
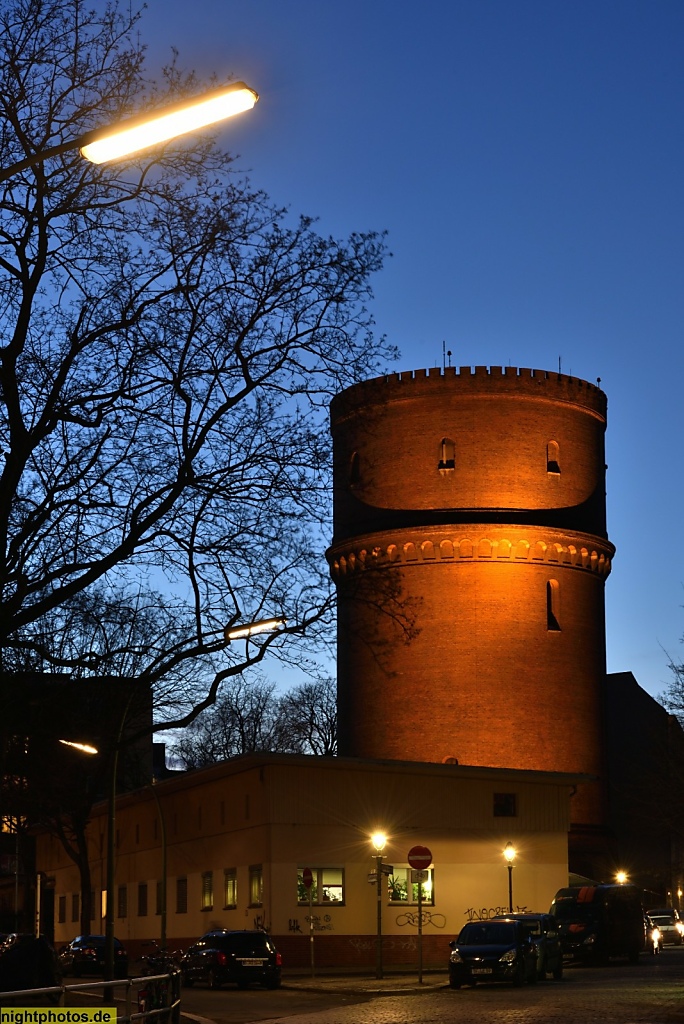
621 877
509 854
378 839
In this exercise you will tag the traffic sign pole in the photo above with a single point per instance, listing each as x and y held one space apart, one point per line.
420 859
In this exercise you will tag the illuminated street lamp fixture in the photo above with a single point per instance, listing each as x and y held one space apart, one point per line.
84 748
114 142
379 840
509 854
252 628
620 877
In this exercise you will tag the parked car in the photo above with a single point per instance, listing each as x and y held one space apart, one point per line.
544 931
241 957
29 961
501 949
654 936
86 955
670 924
600 921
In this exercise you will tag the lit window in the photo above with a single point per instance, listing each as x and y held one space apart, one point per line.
327 886
207 890
256 885
402 886
229 888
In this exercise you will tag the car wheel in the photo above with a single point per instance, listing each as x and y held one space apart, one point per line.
541 973
273 983
213 979
453 983
558 972
519 978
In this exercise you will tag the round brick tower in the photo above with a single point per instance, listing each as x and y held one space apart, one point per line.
470 554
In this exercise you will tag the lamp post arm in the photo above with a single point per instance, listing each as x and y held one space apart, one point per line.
44 154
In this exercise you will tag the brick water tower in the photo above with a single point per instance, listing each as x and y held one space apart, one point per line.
470 554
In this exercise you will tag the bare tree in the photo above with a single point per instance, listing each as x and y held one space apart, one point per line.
309 716
251 717
169 340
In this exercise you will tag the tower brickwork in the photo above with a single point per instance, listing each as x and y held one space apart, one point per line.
470 555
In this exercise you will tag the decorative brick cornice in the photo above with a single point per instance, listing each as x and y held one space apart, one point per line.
502 544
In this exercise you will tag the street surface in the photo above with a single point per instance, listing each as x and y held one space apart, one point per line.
651 993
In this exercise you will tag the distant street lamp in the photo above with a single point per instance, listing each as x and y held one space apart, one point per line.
379 839
621 877
509 854
114 142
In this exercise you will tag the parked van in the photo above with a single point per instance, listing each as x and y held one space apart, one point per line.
599 921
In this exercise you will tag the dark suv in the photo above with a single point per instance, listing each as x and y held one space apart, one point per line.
241 957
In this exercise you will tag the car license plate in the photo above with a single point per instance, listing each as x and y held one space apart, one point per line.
252 963
482 970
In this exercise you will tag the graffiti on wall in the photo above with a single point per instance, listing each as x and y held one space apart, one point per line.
426 917
320 924
484 913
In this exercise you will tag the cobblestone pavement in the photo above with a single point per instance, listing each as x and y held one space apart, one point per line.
652 993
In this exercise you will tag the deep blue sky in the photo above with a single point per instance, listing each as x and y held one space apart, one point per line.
526 158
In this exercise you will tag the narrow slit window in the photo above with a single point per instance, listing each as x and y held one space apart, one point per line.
553 458
552 605
447 454
354 470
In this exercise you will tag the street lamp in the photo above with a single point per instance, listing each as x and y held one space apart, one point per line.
620 877
509 854
114 142
378 839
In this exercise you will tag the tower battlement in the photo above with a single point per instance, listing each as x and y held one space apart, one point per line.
481 380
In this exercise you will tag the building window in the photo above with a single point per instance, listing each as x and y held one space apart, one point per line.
207 890
354 470
553 458
75 911
122 901
181 895
142 899
505 805
229 888
447 454
61 909
256 885
326 888
552 605
402 886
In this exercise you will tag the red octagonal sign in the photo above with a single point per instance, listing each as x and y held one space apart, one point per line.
419 857
307 877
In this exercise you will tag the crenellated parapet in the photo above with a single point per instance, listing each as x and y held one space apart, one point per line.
462 380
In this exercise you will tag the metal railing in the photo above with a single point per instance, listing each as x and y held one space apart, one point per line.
156 997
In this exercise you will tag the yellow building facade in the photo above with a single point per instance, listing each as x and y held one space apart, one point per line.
238 836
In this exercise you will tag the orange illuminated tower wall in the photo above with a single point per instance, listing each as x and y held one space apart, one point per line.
470 555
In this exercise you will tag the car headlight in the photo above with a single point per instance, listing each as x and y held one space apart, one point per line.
455 957
589 941
656 934
680 927
509 957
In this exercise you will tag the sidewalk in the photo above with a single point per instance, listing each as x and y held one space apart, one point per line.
392 983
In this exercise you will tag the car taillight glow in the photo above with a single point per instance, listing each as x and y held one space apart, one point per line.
221 959
279 960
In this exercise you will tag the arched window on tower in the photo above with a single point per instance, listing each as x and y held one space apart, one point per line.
354 470
552 606
553 458
447 454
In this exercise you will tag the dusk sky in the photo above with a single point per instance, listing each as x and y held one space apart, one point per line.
527 160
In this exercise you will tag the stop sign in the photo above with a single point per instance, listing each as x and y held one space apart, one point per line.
307 877
420 858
